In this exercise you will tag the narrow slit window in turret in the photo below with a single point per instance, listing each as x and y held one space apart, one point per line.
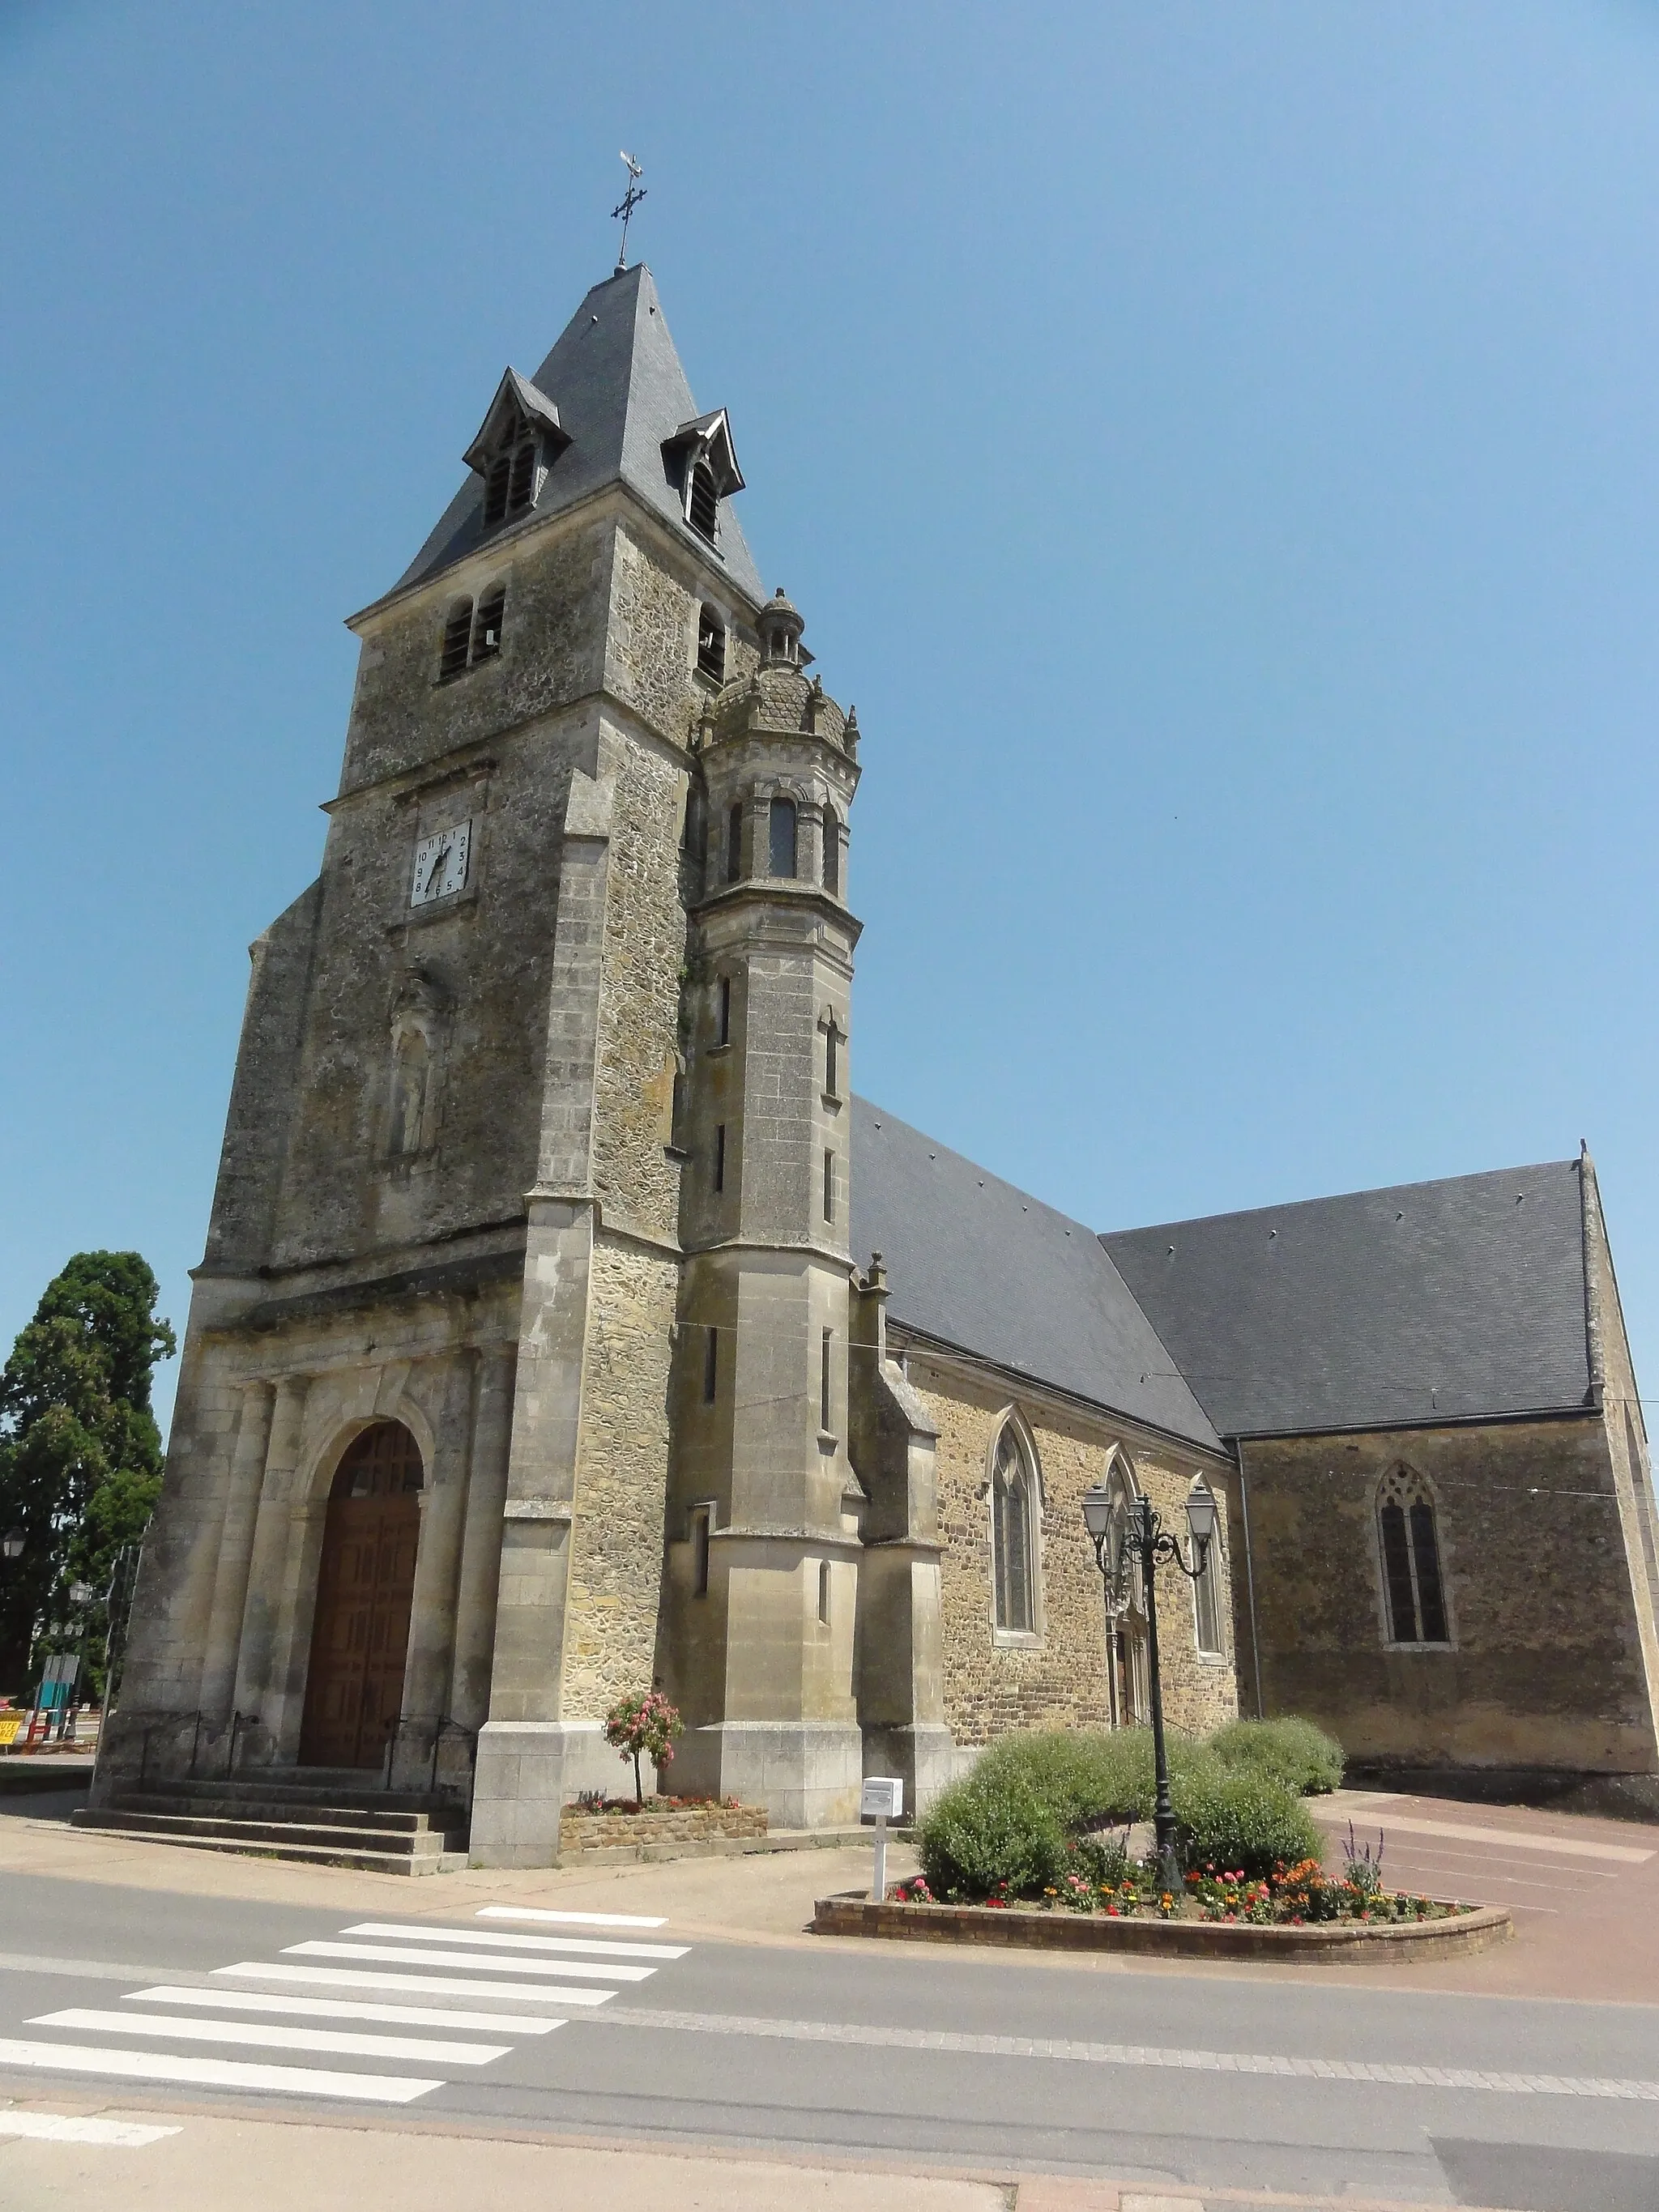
783 837
734 843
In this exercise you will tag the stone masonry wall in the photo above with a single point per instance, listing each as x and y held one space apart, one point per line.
637 1177
622 1478
1544 1668
553 629
1060 1681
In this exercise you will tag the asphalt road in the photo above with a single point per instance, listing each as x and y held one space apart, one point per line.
947 2059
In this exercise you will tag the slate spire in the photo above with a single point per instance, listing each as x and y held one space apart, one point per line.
620 396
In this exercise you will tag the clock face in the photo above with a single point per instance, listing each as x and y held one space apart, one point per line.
441 865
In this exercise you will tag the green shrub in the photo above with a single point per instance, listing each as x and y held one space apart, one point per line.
1290 1751
1239 1822
1102 1858
1083 1776
989 1834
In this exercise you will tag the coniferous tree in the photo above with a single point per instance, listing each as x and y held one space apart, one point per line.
80 1452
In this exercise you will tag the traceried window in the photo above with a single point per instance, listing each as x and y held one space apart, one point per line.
1410 1544
1013 1531
783 837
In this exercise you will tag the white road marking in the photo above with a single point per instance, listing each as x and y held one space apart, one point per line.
255 1970
572 1945
215 2073
482 1962
411 2050
568 1919
344 2009
59 2127
1132 2054
1514 1839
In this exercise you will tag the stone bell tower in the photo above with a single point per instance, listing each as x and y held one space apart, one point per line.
764 1504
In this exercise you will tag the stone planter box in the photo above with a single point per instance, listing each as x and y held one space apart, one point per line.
672 1832
1331 1942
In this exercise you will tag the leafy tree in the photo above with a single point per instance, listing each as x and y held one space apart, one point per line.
643 1724
80 1452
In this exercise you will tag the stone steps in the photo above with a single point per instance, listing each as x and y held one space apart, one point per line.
314 1815
362 1849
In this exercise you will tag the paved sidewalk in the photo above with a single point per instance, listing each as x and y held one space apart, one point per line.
156 2158
1585 1892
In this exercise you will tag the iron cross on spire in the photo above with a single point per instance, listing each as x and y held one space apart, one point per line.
625 207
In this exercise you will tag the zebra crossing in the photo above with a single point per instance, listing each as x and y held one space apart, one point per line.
355 2015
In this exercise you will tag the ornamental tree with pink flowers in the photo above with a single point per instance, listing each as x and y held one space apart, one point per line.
643 1723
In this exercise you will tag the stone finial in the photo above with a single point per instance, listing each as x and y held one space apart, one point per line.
779 625
876 1275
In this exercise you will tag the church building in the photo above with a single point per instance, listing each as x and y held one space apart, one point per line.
567 1324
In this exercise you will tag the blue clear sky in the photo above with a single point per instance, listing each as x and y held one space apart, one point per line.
1215 448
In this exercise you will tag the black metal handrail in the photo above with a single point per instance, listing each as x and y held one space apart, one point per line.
167 1721
441 1724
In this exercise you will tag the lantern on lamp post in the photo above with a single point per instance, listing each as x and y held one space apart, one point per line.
1138 1535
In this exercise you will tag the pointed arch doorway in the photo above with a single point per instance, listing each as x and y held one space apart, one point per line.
365 1594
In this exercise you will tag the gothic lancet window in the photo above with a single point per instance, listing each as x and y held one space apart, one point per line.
783 837
1013 1532
1206 1601
1410 1546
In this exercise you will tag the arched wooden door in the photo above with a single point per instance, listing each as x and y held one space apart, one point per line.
365 1590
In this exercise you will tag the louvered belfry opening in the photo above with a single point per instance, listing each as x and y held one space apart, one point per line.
458 637
496 486
711 645
704 506
510 484
522 489
487 629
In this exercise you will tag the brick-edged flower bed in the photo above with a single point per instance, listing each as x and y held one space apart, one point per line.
662 1826
1454 1932
1451 1931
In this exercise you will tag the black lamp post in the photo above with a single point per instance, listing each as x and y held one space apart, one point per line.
1119 1537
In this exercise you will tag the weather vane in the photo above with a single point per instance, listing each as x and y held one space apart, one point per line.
625 207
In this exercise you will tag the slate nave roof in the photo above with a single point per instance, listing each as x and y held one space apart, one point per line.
1418 1304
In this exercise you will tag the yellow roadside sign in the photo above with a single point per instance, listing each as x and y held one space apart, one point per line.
9 1724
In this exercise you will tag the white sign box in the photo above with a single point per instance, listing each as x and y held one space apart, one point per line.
883 1799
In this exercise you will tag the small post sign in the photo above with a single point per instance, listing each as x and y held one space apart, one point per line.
882 1801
